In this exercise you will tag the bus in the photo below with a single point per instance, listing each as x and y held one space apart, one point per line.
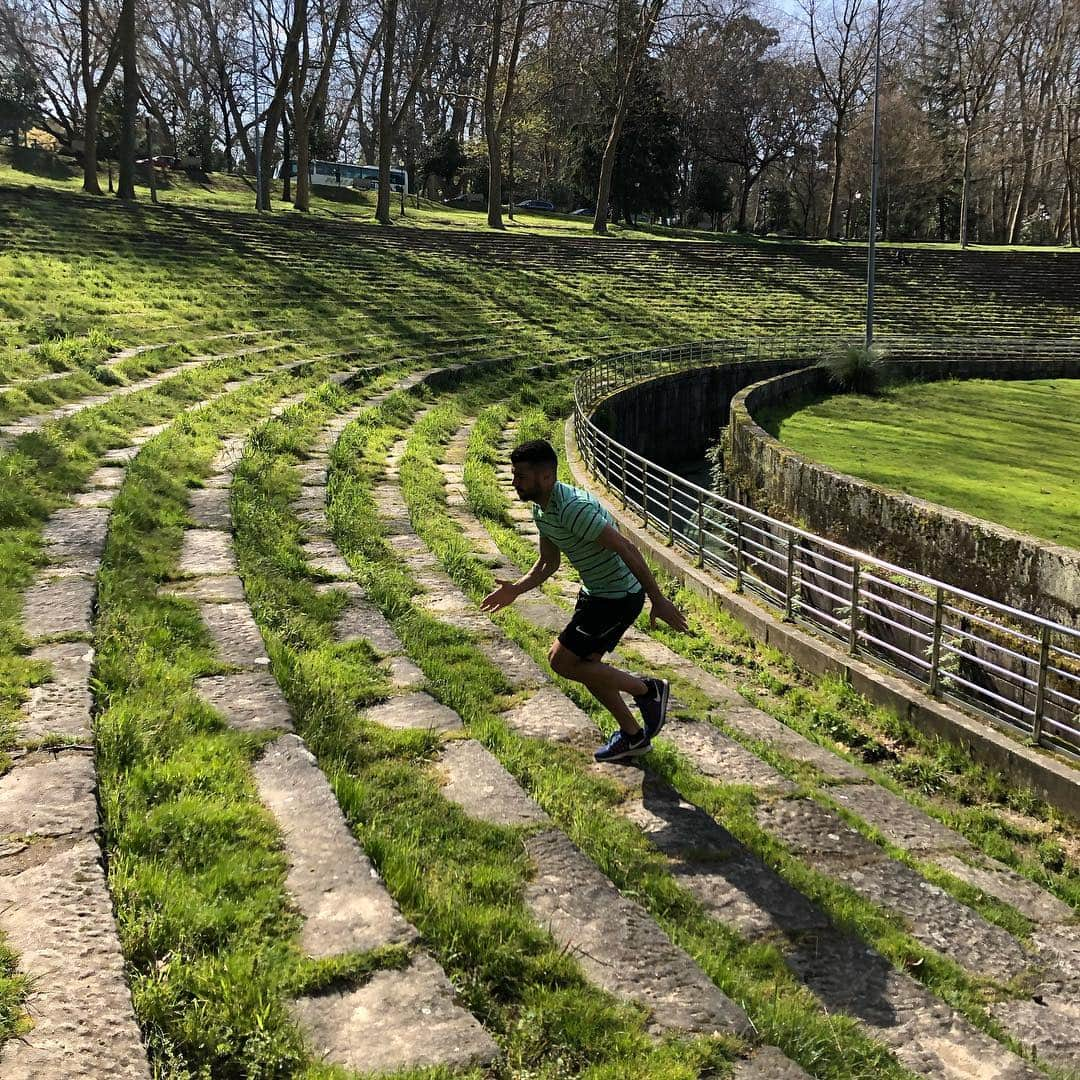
342 174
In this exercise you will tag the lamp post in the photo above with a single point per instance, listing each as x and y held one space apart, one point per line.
871 249
255 86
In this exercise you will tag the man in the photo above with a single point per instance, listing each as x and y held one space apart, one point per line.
615 581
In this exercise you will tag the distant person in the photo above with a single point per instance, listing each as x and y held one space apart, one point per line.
615 581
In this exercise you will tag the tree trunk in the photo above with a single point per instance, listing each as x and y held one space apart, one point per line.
90 155
837 179
386 133
965 190
286 152
92 92
607 162
744 201
491 127
302 202
1016 218
126 31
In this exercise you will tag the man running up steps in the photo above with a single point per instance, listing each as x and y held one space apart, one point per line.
615 581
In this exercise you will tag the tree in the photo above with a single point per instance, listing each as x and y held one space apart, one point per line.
978 34
445 160
711 192
764 106
634 28
307 108
390 120
645 172
495 118
841 38
127 34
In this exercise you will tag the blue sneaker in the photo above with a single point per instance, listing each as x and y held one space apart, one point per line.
653 706
622 746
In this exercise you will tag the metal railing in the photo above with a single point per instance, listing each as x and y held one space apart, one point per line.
1002 662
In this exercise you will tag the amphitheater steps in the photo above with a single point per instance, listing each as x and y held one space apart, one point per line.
133 353
55 909
825 841
37 421
398 1019
735 887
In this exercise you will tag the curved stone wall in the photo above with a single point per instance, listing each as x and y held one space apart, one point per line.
965 551
677 417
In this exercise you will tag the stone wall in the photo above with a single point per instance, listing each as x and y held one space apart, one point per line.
675 418
964 551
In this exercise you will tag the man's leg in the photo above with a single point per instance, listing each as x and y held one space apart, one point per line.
606 683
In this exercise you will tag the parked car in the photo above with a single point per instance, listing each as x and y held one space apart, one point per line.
535 204
585 211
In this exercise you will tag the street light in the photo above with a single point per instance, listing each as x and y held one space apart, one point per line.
871 249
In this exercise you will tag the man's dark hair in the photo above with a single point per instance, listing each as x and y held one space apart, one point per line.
535 452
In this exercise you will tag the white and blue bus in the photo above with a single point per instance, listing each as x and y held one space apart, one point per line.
341 174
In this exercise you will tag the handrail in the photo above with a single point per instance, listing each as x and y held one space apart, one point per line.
1014 666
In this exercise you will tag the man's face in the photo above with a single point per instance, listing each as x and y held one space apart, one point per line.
530 481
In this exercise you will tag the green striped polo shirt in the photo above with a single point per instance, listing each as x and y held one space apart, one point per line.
572 522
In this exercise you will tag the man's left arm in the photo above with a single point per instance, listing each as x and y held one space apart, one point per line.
662 607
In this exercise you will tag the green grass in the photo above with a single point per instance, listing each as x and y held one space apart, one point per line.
1008 452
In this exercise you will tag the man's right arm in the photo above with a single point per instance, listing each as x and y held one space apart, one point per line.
507 592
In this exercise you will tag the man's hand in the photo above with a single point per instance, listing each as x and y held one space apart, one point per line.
502 597
664 609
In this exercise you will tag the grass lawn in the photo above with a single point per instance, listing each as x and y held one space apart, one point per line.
1005 451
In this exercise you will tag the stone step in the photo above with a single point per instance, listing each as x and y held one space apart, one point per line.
620 947
57 916
62 706
397 1020
345 905
249 701
476 780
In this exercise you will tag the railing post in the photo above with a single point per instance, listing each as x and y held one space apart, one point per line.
671 510
738 554
853 629
622 474
789 581
644 492
700 534
1040 686
935 644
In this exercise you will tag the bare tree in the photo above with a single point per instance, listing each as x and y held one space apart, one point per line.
96 65
634 28
842 38
495 119
390 119
979 34
306 107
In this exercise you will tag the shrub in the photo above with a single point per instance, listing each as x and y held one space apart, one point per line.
856 369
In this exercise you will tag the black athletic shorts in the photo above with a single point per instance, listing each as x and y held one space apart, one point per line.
599 623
